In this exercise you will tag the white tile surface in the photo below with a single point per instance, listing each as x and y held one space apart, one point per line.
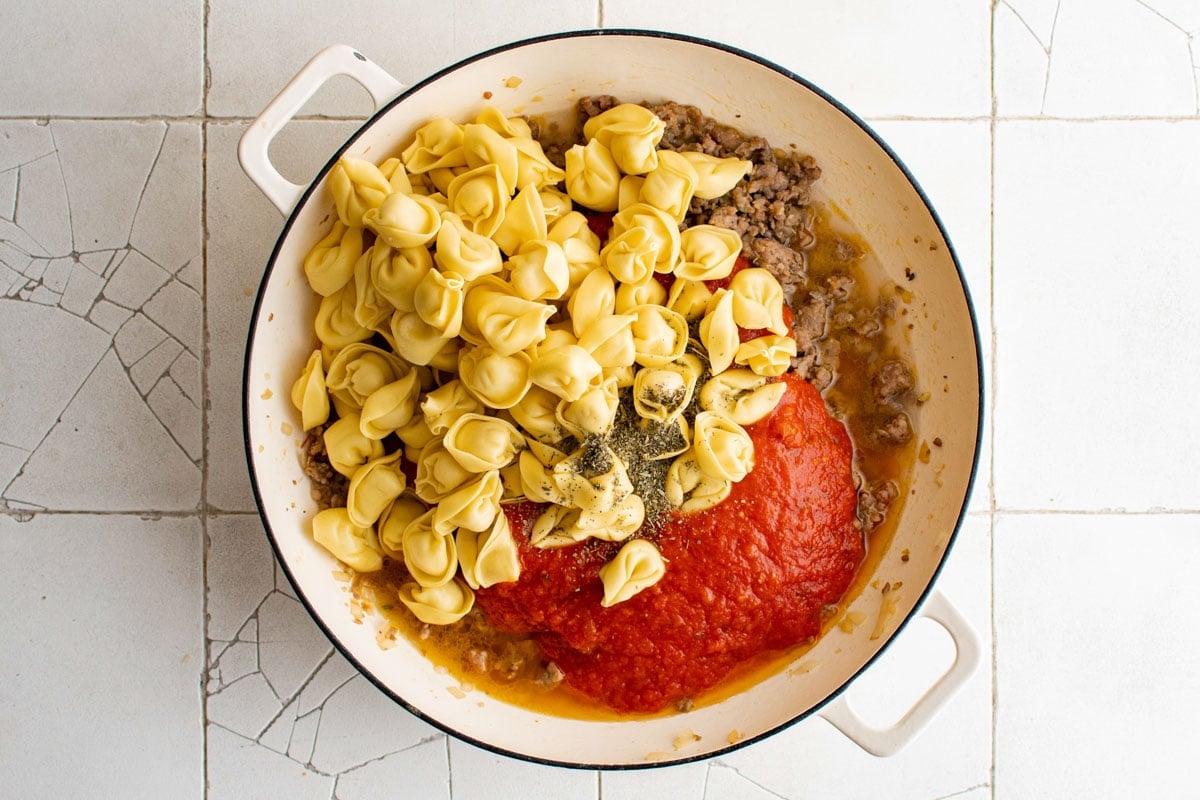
878 57
1098 689
101 667
410 41
170 657
111 428
1056 57
92 59
1094 315
479 775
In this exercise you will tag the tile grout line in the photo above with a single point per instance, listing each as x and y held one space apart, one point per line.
206 79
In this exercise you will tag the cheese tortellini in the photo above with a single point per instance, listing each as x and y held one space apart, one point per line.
443 604
631 133
489 557
356 546
310 395
483 338
742 395
723 449
637 566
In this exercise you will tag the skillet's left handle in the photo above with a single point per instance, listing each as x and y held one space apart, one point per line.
338 59
889 741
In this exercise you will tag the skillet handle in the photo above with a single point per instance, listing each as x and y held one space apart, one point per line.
338 59
889 741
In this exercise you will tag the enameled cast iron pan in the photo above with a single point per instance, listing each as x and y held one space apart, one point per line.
859 173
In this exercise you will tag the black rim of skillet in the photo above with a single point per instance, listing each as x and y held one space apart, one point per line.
291 219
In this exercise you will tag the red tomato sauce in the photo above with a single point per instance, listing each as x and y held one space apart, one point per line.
746 578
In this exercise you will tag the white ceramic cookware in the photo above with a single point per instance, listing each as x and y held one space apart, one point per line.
859 173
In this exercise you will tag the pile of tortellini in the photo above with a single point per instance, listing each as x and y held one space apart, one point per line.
511 332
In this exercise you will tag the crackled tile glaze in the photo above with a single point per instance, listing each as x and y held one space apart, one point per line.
87 199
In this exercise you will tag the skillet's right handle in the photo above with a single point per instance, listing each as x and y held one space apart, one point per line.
889 741
338 59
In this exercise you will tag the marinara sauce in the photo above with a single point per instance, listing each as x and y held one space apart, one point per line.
746 578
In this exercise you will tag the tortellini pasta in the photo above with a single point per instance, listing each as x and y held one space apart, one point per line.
670 185
472 506
567 371
371 309
662 230
488 557
483 145
689 298
336 325
444 604
758 301
767 355
593 178
330 264
719 332
495 315
615 525
637 566
310 395
481 443
662 393
438 472
707 253
356 546
631 256
553 528
660 335
357 187
484 338
594 299
438 144
480 197
414 339
591 486
690 489
396 273
359 370
539 271
445 405
535 169
715 176
631 295
430 553
611 341
373 487
631 132
390 407
462 251
438 301
395 518
741 395
346 446
524 221
535 413
723 448
594 411
500 381
405 220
